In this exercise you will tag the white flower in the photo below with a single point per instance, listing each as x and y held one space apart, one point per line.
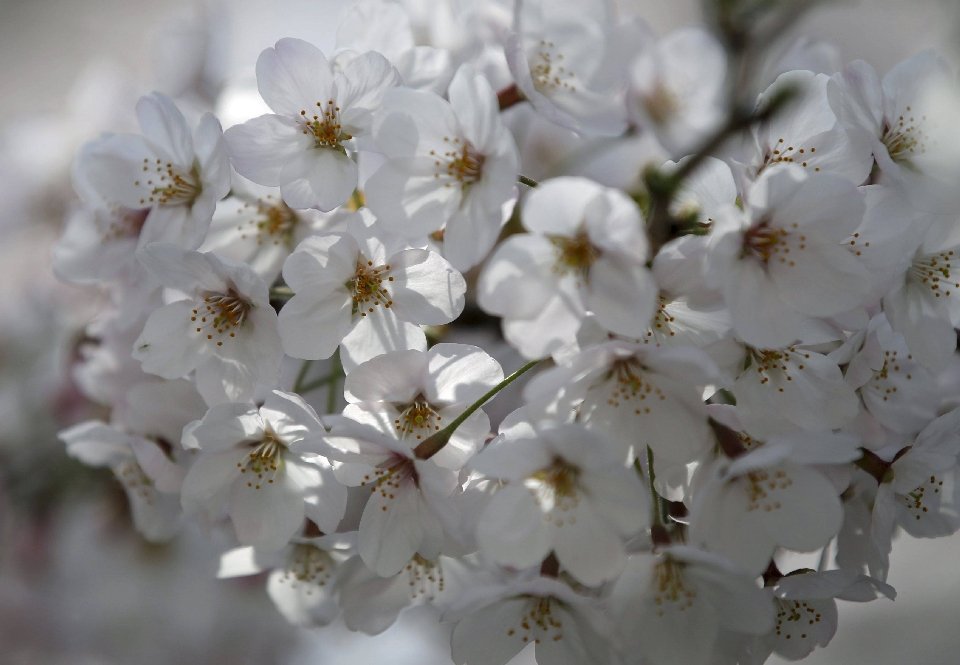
806 608
567 491
637 394
304 578
418 393
176 176
677 88
372 603
557 55
924 303
898 393
140 458
225 328
254 226
675 607
806 133
385 26
409 498
786 263
263 464
770 497
317 111
564 626
586 251
892 114
919 493
352 292
780 390
451 166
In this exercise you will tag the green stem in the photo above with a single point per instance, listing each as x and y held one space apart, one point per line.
529 182
658 505
281 293
301 375
435 443
331 377
333 381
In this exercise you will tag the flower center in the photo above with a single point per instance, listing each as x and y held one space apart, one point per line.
574 254
548 72
762 485
662 324
418 418
273 223
776 366
460 164
368 289
134 480
794 617
784 153
219 315
936 272
629 385
765 242
538 623
671 588
556 488
324 125
124 223
308 565
425 578
661 104
389 475
904 139
924 497
167 184
266 457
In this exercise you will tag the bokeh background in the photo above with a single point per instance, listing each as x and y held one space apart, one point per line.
77 586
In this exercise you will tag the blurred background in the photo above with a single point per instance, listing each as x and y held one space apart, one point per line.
77 585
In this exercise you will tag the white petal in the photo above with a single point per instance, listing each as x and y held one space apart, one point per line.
293 76
390 528
512 530
426 289
260 148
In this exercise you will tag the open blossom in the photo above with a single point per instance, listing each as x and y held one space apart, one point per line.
677 88
774 495
354 291
806 606
563 625
567 491
174 175
637 394
255 226
304 147
784 265
304 577
224 328
557 55
451 167
585 251
418 393
410 499
262 464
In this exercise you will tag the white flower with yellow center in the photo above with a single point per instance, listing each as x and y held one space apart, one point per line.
224 328
306 145
638 394
451 167
354 291
585 251
558 55
786 264
262 467
677 606
541 614
174 175
410 503
567 491
420 392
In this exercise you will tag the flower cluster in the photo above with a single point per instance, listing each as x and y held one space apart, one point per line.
737 291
